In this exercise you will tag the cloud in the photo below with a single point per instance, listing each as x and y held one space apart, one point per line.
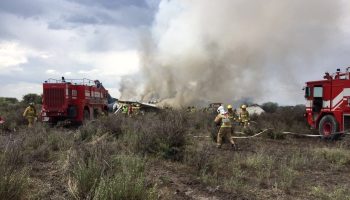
19 89
175 41
43 39
13 55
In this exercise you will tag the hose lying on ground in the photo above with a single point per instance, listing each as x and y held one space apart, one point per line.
243 137
251 136
286 133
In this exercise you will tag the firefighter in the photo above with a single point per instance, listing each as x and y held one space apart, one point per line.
130 110
233 113
223 119
125 110
30 114
244 116
136 109
233 117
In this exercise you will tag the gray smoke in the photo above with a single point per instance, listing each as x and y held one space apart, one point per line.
227 50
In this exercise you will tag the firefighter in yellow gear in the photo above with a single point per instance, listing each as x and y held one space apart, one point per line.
136 109
244 116
223 118
125 110
233 113
30 114
233 117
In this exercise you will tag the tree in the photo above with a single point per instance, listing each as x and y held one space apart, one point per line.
8 100
31 97
270 107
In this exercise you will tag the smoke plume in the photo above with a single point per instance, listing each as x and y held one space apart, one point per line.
228 50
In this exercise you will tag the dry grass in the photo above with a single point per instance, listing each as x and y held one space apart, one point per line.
14 176
112 157
336 193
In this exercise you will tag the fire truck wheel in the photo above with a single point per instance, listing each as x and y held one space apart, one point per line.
86 115
327 126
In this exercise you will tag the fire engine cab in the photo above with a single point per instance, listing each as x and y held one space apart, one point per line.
73 100
328 103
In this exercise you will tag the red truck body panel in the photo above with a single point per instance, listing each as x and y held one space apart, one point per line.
73 100
330 96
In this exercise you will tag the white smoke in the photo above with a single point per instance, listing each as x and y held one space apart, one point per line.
228 50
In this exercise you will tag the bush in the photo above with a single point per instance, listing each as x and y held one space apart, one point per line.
198 157
40 142
108 124
270 107
288 118
88 130
163 135
86 176
94 173
339 193
28 98
276 135
86 166
12 114
14 178
13 184
340 157
112 124
127 181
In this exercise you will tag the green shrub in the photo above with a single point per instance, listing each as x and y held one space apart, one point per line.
31 98
127 181
270 107
198 157
95 173
13 178
13 183
12 114
13 155
287 118
339 193
163 135
112 124
286 177
338 156
107 124
85 179
276 135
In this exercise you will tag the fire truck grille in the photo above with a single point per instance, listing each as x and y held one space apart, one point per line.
54 97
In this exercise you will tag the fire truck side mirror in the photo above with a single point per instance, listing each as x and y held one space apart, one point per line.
307 92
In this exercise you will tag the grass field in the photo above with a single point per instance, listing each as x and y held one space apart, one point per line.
158 157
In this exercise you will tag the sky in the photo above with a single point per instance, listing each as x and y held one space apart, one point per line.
105 40
42 39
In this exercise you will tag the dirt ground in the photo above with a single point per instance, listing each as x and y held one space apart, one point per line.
179 181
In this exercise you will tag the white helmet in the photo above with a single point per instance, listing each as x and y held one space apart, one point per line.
221 110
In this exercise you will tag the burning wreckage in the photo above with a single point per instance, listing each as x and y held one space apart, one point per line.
133 107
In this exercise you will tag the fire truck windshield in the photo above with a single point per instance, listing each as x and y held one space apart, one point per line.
318 92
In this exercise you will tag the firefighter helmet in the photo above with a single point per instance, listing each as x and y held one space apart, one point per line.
221 110
243 106
229 106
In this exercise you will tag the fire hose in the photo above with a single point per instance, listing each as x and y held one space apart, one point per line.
285 133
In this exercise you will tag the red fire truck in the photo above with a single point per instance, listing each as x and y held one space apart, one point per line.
328 103
73 100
